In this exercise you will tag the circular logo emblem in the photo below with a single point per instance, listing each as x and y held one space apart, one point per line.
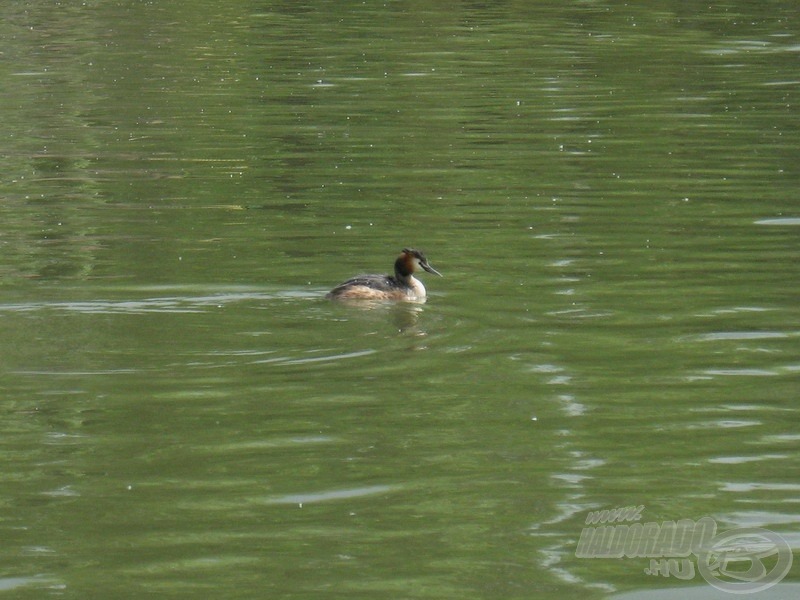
745 560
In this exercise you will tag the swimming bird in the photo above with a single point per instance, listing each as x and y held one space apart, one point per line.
400 286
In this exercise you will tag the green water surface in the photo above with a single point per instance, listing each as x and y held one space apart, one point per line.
609 189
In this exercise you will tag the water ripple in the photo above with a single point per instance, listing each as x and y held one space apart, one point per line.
740 335
12 583
779 221
167 304
740 372
740 460
324 496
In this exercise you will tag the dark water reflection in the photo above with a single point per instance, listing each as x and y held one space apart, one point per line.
609 191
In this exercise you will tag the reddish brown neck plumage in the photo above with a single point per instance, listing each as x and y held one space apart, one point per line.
404 266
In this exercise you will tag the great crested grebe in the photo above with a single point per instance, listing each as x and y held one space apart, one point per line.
400 286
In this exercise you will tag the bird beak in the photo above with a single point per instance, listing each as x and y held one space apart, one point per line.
430 269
